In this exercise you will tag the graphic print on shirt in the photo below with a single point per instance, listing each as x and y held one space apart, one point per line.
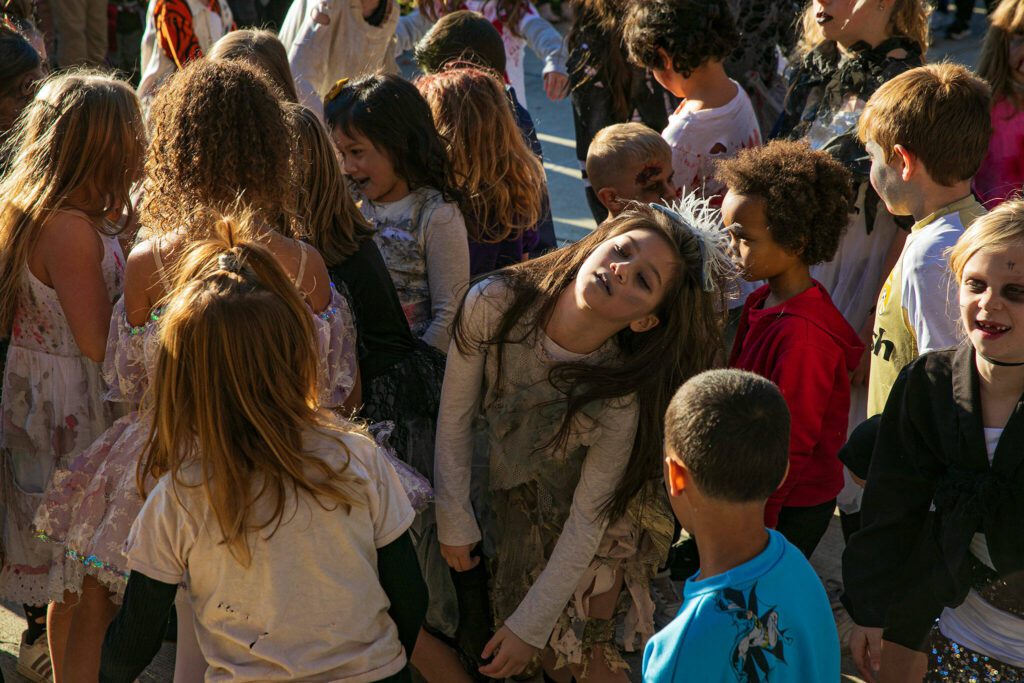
760 642
403 253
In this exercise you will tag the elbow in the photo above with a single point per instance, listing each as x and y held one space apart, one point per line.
94 352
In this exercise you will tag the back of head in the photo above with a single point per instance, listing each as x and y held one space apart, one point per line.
81 136
235 388
1005 22
218 131
500 176
1000 228
17 58
730 428
261 49
327 213
691 32
461 37
807 194
620 147
938 112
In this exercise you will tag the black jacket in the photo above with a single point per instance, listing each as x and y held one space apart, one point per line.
931 447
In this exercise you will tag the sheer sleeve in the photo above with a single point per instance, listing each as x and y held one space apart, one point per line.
337 343
129 350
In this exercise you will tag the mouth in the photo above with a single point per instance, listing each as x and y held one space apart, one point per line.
602 279
991 330
359 182
822 17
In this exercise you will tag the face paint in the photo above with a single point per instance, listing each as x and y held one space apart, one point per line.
646 173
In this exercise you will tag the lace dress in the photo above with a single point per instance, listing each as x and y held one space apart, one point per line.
52 408
91 505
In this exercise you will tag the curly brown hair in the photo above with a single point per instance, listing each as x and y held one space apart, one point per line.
807 194
691 32
219 133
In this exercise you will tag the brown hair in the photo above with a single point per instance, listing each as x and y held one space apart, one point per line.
1001 227
501 177
622 146
993 62
653 364
261 49
82 135
909 19
940 112
235 389
334 224
219 132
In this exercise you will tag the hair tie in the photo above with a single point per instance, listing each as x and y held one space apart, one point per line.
336 89
694 213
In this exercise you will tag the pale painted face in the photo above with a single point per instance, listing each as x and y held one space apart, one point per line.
850 21
992 303
886 178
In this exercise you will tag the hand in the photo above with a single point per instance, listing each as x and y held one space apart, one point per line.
457 557
556 85
511 654
866 649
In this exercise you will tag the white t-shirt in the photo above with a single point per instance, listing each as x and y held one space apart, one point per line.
975 623
310 606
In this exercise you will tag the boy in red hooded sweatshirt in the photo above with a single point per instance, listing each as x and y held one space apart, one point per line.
785 210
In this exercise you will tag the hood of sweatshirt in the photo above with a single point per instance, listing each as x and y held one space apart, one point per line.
815 307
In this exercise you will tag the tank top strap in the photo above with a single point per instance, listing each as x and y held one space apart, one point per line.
302 265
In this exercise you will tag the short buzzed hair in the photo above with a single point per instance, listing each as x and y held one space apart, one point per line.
730 428
619 147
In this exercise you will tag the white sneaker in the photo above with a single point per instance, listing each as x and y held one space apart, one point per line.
34 660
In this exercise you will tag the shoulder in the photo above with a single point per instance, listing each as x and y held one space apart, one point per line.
73 233
492 293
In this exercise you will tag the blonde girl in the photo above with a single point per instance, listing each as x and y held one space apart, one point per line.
950 440
502 179
285 524
263 50
558 376
76 154
1001 63
90 506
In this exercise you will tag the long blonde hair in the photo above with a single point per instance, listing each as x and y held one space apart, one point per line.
334 224
909 19
82 135
1000 228
235 389
502 179
993 63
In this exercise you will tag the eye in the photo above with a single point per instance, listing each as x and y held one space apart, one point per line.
644 283
619 250
1014 293
975 286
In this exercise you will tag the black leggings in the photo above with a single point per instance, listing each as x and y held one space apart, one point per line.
804 526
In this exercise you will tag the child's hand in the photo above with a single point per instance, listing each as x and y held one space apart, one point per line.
866 650
458 558
556 85
511 654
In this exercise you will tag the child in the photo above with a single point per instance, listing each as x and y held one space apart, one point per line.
401 173
331 39
21 70
286 524
76 154
465 38
177 32
755 610
501 178
605 88
785 210
683 42
90 506
263 50
919 170
559 371
949 439
1001 63
519 25
629 162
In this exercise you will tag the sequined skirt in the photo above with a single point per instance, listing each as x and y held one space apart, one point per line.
951 661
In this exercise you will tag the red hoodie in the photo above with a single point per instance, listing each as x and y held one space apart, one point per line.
808 349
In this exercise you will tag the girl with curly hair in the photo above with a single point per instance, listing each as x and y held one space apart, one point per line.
220 146
785 210
403 178
502 179
76 154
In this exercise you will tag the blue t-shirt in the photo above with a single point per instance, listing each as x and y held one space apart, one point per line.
766 620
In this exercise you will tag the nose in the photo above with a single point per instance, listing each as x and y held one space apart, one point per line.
347 165
620 270
989 301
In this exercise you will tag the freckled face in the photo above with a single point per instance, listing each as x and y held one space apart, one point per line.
992 303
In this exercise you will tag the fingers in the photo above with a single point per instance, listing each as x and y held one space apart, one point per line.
458 557
865 660
491 645
496 668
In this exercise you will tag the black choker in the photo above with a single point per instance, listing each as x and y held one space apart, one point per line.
1002 364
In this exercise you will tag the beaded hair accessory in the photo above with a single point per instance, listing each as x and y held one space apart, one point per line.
695 214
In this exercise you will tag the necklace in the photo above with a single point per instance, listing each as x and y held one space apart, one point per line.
1000 363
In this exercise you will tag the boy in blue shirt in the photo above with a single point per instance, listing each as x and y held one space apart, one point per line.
755 611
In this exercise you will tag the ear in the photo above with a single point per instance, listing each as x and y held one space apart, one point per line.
909 161
609 198
677 477
645 324
666 61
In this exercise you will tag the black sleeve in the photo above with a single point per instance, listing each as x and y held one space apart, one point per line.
135 635
900 487
401 580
